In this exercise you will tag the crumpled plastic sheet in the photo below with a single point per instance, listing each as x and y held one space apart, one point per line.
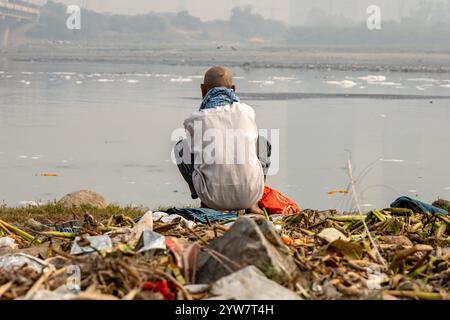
8 243
97 243
16 261
151 241
166 218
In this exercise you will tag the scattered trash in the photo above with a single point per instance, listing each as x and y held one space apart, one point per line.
145 223
274 202
250 284
151 241
202 215
16 261
91 244
166 218
417 206
216 255
333 192
49 174
161 286
8 243
331 235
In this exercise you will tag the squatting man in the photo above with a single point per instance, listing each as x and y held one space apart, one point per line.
223 159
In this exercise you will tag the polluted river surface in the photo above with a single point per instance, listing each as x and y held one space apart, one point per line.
111 128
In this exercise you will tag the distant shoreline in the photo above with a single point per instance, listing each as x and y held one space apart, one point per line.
246 56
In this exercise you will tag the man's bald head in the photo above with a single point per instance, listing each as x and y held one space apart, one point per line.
217 77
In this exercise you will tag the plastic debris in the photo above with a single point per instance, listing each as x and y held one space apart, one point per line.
331 235
16 261
250 284
166 218
49 174
8 243
150 242
95 243
145 223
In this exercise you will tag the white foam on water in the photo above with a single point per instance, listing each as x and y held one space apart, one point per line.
162 75
2 72
412 191
447 188
36 157
239 78
283 78
131 182
8 76
362 87
64 73
25 82
367 205
383 115
23 157
197 77
445 85
78 82
387 83
420 88
180 79
392 160
68 77
133 81
105 80
373 78
27 72
346 84
146 75
262 82
423 80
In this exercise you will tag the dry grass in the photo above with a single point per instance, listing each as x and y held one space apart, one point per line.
56 213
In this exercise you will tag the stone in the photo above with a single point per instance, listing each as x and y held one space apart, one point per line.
83 197
248 242
331 234
250 284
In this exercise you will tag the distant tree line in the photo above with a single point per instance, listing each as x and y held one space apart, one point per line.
428 26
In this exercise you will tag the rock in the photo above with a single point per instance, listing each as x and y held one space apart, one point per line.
248 242
331 235
250 284
396 240
83 197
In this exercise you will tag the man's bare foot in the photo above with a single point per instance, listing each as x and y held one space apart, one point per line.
255 209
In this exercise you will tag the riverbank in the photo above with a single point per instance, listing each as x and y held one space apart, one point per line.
245 55
310 255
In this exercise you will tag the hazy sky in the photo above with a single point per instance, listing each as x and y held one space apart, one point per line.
289 11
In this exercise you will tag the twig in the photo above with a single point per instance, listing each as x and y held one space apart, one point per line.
355 196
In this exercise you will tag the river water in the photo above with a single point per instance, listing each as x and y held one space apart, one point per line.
107 127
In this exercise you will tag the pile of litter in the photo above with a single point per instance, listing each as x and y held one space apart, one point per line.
190 254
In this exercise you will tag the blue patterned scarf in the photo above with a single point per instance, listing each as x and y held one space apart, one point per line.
218 97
